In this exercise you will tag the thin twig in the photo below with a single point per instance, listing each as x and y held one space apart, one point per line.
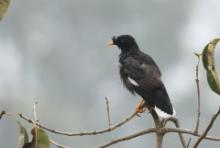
190 132
108 112
1 115
144 132
35 112
188 142
198 94
177 124
207 129
34 123
58 145
81 133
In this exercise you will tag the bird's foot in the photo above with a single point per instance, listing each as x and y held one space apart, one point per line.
141 107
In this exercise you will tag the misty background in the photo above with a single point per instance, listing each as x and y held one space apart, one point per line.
54 52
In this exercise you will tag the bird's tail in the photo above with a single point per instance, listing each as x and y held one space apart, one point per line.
163 114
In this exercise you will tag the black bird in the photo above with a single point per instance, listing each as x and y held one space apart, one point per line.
141 75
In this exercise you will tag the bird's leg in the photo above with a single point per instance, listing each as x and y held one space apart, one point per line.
141 106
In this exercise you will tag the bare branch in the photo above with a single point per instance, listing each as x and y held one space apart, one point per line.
207 129
82 133
159 140
177 124
58 145
158 125
35 112
1 115
188 142
162 130
198 94
156 118
190 132
108 112
159 129
160 137
144 132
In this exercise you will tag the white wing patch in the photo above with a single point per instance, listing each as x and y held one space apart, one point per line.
132 81
162 114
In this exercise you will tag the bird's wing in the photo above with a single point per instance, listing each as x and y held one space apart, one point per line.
145 77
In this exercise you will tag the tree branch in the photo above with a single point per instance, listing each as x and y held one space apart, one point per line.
177 124
188 143
144 132
58 145
163 130
198 94
1 115
88 133
207 129
159 140
35 112
190 132
108 112
158 125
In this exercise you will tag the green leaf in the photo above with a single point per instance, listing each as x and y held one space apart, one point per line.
208 59
23 136
3 7
40 139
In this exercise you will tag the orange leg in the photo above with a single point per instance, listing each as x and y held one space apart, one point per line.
141 107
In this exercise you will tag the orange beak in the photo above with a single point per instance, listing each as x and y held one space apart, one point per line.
110 44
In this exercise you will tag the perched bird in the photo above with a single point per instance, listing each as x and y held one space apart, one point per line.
141 75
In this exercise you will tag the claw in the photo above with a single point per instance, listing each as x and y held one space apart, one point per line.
140 108
138 115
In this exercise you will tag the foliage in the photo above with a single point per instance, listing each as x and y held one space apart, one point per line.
208 59
39 140
3 7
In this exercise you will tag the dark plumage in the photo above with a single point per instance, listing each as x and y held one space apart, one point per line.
141 75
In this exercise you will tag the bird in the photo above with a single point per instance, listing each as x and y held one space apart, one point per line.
141 75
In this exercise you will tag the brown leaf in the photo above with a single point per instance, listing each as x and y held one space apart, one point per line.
3 7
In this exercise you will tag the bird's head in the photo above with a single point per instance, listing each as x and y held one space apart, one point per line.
125 42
